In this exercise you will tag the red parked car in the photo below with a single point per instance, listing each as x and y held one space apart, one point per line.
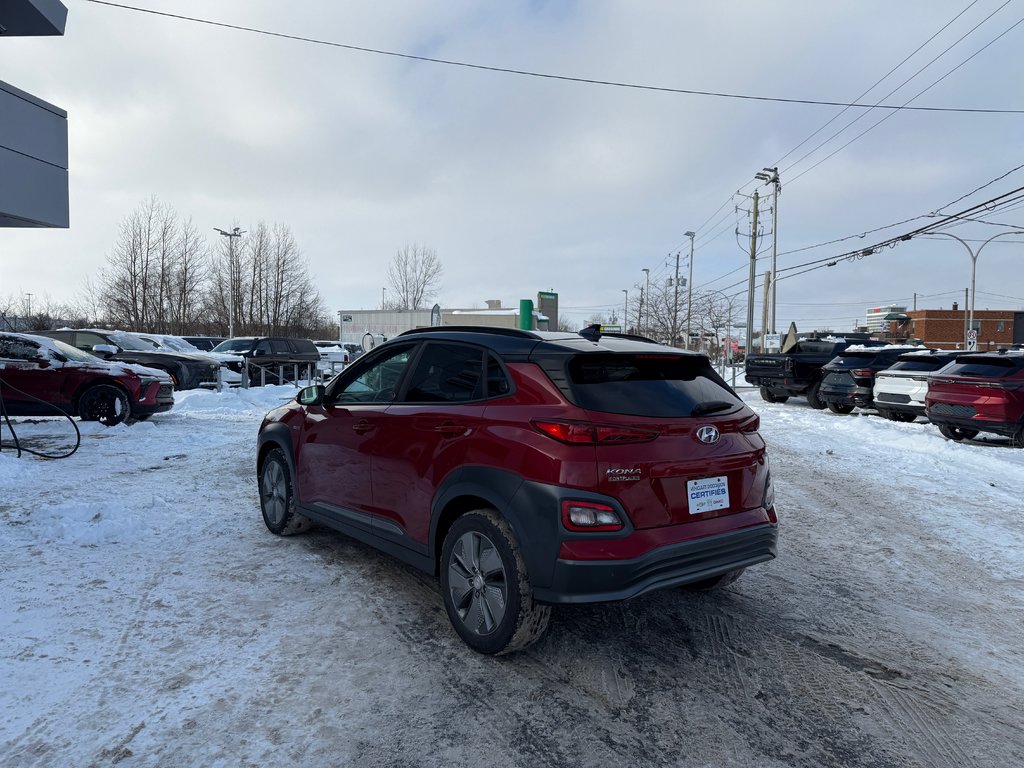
526 469
980 392
45 377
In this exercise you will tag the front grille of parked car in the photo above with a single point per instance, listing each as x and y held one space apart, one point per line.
166 390
958 411
892 397
208 376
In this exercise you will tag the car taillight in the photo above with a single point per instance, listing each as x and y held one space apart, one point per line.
750 425
586 433
588 516
863 373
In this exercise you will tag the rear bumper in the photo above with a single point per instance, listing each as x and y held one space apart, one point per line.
860 396
1005 428
601 581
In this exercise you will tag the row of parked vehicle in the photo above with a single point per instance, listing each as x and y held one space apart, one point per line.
110 376
962 393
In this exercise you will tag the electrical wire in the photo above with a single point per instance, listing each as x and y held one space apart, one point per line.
14 435
544 75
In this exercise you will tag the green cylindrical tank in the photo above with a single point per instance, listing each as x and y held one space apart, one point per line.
526 314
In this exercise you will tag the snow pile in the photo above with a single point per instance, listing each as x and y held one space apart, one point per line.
86 523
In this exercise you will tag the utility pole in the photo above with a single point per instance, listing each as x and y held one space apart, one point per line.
752 277
625 311
647 273
915 301
383 304
675 303
689 290
236 232
768 286
29 313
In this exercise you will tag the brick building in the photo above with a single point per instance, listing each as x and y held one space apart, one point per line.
944 328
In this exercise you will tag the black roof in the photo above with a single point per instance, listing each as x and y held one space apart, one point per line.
512 342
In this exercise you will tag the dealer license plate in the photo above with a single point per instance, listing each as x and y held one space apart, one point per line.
707 494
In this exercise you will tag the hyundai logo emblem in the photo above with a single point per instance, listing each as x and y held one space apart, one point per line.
708 434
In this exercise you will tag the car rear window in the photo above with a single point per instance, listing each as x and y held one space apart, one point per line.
664 386
984 367
921 364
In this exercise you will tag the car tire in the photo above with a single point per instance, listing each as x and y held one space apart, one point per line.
957 434
277 497
769 397
486 588
841 408
1018 438
715 582
813 398
105 403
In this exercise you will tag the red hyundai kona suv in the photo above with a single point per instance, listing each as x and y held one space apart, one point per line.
979 392
527 469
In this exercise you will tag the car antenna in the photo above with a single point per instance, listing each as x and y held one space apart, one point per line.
591 332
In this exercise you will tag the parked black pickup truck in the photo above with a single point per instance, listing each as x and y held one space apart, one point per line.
797 372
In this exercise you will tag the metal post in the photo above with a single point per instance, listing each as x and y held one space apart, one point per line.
675 304
752 277
383 304
625 311
775 239
341 327
689 290
647 293
236 232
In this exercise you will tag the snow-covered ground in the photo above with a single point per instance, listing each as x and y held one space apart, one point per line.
150 620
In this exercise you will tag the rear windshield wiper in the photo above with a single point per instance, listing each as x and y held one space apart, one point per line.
711 406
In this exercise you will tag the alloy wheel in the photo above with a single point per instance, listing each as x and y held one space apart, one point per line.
478 583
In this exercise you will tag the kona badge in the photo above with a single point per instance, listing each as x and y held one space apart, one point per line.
622 474
708 434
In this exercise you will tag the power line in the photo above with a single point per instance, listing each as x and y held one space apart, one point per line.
547 75
778 162
912 98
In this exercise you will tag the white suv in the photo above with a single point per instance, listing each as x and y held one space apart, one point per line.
900 389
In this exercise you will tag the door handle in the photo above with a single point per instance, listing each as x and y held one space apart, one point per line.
362 427
450 429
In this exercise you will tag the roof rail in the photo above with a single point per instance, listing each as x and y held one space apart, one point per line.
472 329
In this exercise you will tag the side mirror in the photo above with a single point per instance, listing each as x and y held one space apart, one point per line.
259 353
311 395
42 362
105 350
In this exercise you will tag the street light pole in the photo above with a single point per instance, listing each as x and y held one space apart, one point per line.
383 303
689 290
236 232
974 267
647 293
625 311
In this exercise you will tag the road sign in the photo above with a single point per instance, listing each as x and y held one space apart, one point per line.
972 340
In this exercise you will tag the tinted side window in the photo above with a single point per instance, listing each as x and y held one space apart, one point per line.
376 383
87 341
667 386
497 380
262 347
447 373
280 347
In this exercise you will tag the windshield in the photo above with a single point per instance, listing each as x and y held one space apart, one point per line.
149 342
661 386
234 345
127 341
73 353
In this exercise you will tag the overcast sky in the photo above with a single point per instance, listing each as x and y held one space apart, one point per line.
524 184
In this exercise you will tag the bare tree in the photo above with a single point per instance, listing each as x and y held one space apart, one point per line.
269 279
414 277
